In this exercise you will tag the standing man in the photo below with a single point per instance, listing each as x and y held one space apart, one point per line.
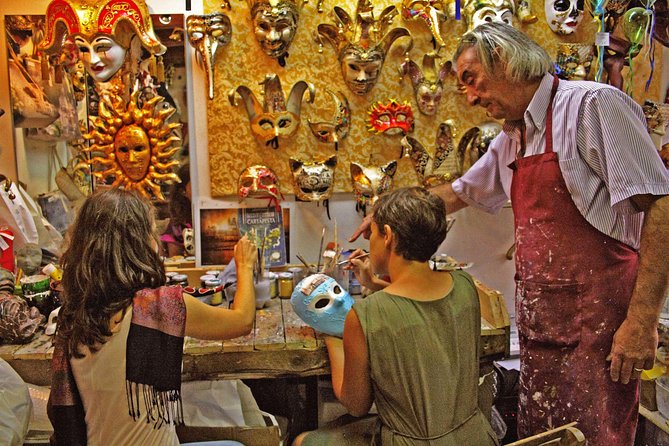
589 196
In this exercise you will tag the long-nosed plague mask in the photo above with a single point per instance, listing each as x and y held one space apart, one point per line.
477 12
425 164
362 43
208 33
428 82
337 129
432 12
275 25
274 118
313 180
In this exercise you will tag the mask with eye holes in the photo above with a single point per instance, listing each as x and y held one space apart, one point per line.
322 303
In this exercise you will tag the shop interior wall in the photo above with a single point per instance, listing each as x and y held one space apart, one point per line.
224 133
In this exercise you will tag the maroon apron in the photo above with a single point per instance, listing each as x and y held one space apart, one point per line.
573 287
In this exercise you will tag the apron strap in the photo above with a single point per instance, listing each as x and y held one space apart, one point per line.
549 117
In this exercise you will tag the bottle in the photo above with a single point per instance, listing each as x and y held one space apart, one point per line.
52 271
285 285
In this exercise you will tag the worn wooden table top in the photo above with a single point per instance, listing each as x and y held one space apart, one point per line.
280 345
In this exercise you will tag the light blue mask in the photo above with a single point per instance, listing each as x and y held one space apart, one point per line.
322 303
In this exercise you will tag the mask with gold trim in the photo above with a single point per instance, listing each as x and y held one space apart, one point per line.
474 144
428 83
432 12
391 118
137 144
274 118
337 129
370 182
275 25
425 165
564 16
574 60
313 181
477 12
657 116
259 182
208 33
362 42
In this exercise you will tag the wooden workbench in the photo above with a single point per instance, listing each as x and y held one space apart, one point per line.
280 345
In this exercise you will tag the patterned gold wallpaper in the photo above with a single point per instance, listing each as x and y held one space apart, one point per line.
232 146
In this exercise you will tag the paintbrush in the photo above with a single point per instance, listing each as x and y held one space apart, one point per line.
348 260
320 251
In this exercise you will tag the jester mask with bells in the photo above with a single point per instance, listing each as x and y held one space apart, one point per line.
370 182
208 33
322 303
274 25
428 83
391 118
574 61
313 181
337 129
425 165
474 143
432 12
259 182
274 118
477 12
102 29
657 116
362 43
563 16
137 144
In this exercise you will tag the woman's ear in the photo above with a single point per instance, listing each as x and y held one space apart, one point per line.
388 237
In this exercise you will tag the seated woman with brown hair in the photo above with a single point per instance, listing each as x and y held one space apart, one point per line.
117 359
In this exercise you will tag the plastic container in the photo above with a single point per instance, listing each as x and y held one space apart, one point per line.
662 395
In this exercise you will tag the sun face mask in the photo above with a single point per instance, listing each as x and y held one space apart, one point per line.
208 33
313 181
563 16
322 303
428 82
259 182
274 118
574 60
391 118
361 42
274 25
370 182
336 129
477 12
426 165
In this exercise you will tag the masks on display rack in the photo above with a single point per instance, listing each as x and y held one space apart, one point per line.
102 30
574 60
337 129
313 181
322 303
259 182
391 118
370 182
362 43
563 16
428 83
474 143
208 33
425 165
274 25
657 116
137 144
477 12
275 117
432 12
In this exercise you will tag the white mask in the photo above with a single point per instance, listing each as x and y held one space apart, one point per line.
102 57
563 16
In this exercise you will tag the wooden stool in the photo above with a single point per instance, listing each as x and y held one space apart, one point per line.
567 435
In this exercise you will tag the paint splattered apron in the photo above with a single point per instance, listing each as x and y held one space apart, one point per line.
573 286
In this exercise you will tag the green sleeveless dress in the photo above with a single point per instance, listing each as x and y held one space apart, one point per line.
424 360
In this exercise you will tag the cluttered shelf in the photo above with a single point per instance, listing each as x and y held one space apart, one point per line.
280 345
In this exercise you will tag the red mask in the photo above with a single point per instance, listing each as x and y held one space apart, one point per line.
391 117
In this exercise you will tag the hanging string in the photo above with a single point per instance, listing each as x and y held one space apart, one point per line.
650 41
598 16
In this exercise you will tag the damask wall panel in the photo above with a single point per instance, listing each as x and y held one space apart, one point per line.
233 147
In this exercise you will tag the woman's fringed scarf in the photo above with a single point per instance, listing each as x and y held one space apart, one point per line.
153 368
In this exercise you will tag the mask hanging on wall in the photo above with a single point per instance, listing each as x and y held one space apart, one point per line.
208 33
474 144
337 129
313 181
564 16
657 116
425 165
102 30
275 25
477 12
137 144
370 182
259 182
431 12
574 61
274 118
428 83
391 118
322 303
362 43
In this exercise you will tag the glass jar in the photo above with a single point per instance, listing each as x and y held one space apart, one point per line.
285 285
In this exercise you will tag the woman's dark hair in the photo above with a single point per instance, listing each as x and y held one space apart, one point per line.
180 205
417 218
111 254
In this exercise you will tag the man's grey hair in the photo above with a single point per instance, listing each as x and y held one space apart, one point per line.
501 48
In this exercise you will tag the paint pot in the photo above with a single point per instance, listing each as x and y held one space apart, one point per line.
37 283
205 277
273 285
285 285
217 297
180 279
